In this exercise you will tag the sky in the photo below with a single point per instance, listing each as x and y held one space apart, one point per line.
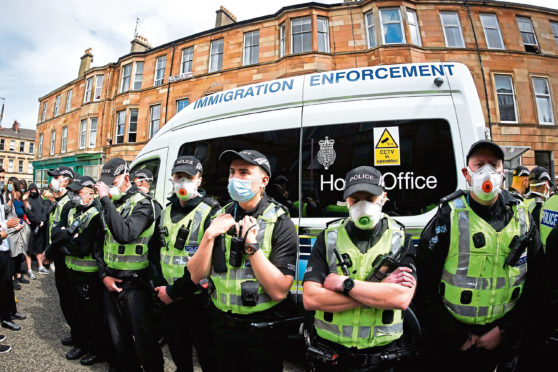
41 41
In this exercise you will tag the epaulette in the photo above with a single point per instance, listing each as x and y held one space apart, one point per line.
452 196
211 202
397 222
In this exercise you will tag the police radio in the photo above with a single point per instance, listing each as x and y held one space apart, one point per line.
182 236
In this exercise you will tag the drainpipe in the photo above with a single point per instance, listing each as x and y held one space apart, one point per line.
168 82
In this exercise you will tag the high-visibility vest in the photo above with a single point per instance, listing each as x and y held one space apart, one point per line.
54 217
87 263
549 218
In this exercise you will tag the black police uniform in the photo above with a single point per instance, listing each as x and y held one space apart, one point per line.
445 333
130 312
185 322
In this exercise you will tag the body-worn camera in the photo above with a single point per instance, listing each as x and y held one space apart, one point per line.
74 226
237 249
181 237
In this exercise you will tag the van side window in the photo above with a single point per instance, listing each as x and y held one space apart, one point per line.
427 170
280 147
153 166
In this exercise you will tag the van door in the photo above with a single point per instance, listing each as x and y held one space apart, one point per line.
156 162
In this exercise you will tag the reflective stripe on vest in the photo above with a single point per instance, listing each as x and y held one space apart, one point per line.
87 263
548 218
133 255
475 286
227 295
361 327
172 259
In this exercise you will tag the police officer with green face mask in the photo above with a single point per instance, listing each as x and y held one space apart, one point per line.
249 253
126 267
185 319
478 263
357 292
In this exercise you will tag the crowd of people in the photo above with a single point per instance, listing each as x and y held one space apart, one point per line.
476 293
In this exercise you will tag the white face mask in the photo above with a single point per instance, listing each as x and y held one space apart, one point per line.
485 182
546 193
365 214
114 191
186 189
55 185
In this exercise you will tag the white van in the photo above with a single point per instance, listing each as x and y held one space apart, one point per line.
413 122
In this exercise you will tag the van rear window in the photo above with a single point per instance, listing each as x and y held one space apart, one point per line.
153 166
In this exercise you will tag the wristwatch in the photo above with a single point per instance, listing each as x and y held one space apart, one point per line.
251 248
348 284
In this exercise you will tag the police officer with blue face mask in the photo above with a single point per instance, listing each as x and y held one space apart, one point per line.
249 253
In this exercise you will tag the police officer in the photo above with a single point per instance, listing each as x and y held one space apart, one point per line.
520 182
549 218
249 252
143 178
358 313
540 183
472 274
76 237
182 224
124 266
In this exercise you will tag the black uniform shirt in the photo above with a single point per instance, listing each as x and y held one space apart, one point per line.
431 256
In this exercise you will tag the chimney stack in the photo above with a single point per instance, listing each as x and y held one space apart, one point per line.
85 64
15 126
140 44
224 17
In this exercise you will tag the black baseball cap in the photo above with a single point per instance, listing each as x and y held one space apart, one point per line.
187 164
520 171
363 178
540 174
114 167
62 171
249 156
485 144
80 182
143 174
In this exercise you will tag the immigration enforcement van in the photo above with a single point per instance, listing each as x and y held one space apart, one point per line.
413 122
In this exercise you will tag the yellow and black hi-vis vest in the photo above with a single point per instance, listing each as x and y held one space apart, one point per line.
173 260
87 263
54 217
361 327
476 287
133 255
227 294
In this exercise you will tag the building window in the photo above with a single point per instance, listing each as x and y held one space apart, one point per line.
82 133
251 48
452 30
120 122
370 29
544 101
92 133
133 125
544 159
57 105
154 119
52 141
282 40
125 82
323 34
31 147
527 31
2 142
88 87
392 27
69 100
10 165
160 71
43 117
492 31
414 27
301 31
506 98
29 168
21 146
187 60
138 76
216 55
98 88
40 145
181 103
20 166
64 140
554 27
12 145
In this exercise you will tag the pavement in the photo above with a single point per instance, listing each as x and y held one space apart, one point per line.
37 348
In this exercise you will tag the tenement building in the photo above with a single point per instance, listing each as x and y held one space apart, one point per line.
511 50
17 150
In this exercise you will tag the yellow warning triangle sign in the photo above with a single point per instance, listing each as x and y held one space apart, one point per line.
386 141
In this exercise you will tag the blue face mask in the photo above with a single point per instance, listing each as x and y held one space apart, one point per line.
240 190
10 187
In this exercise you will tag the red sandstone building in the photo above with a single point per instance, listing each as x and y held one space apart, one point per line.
511 50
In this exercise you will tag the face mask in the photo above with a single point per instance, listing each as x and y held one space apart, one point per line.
365 214
55 185
546 190
10 187
75 199
185 189
1 184
33 194
114 191
240 190
485 182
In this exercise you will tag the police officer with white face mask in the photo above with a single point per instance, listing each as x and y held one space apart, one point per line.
358 299
478 265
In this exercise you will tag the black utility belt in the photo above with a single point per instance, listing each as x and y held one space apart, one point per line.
357 357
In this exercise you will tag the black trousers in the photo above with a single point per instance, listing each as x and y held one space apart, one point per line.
131 319
240 348
64 290
18 260
7 296
186 323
